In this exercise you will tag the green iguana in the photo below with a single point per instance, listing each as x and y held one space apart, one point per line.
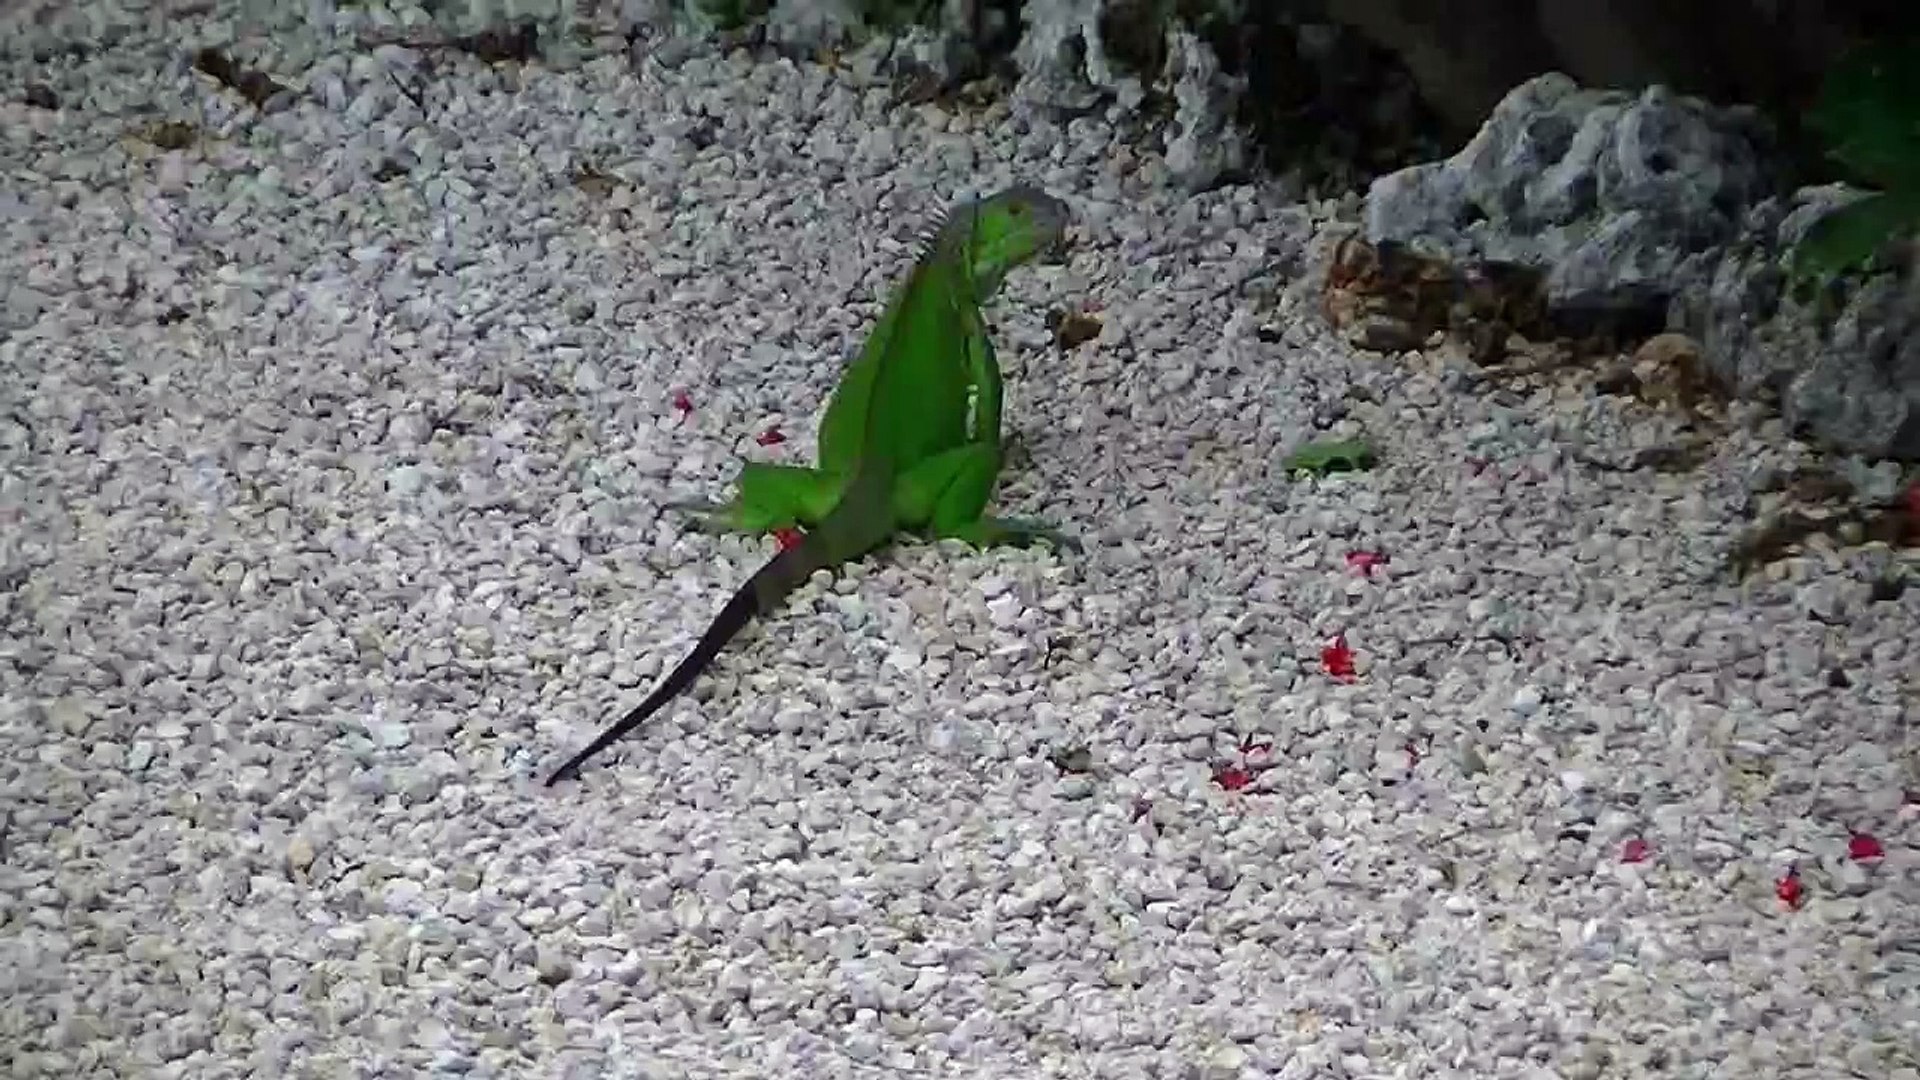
910 441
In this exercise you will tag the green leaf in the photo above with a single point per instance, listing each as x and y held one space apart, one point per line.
1848 237
1869 110
1331 455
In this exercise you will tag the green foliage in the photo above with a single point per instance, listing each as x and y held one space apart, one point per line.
893 16
1868 112
733 14
1331 455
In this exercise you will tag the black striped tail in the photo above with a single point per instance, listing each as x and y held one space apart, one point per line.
767 587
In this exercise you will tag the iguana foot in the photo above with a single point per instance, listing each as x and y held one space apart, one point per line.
732 517
1009 532
770 497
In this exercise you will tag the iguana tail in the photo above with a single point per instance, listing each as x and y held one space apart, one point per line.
761 594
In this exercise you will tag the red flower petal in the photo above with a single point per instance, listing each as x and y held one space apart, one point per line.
1232 777
1913 498
1337 659
1363 562
1789 889
773 436
1413 752
1635 850
682 402
788 537
1863 846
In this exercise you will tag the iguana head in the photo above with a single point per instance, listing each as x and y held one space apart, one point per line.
995 234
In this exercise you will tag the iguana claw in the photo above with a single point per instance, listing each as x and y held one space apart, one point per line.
1035 530
711 517
1011 532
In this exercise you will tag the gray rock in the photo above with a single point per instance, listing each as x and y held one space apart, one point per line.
553 966
1064 58
1207 145
1851 378
389 734
1607 193
1067 61
1656 212
72 715
812 24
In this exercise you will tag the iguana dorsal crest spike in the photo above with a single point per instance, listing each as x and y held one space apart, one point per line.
935 230
951 232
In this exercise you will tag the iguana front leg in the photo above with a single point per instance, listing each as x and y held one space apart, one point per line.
946 497
769 497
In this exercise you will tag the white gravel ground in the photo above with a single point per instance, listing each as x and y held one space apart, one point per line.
331 511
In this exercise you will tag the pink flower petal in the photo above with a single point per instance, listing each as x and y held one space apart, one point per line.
1232 777
1337 658
1635 850
1789 889
1363 563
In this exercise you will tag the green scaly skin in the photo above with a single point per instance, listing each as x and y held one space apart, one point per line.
910 442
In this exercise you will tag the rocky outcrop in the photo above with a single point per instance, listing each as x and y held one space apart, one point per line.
1077 55
1227 82
1652 211
1609 194
1641 209
1843 363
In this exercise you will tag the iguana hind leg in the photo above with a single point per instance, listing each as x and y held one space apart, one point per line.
770 497
989 531
946 497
